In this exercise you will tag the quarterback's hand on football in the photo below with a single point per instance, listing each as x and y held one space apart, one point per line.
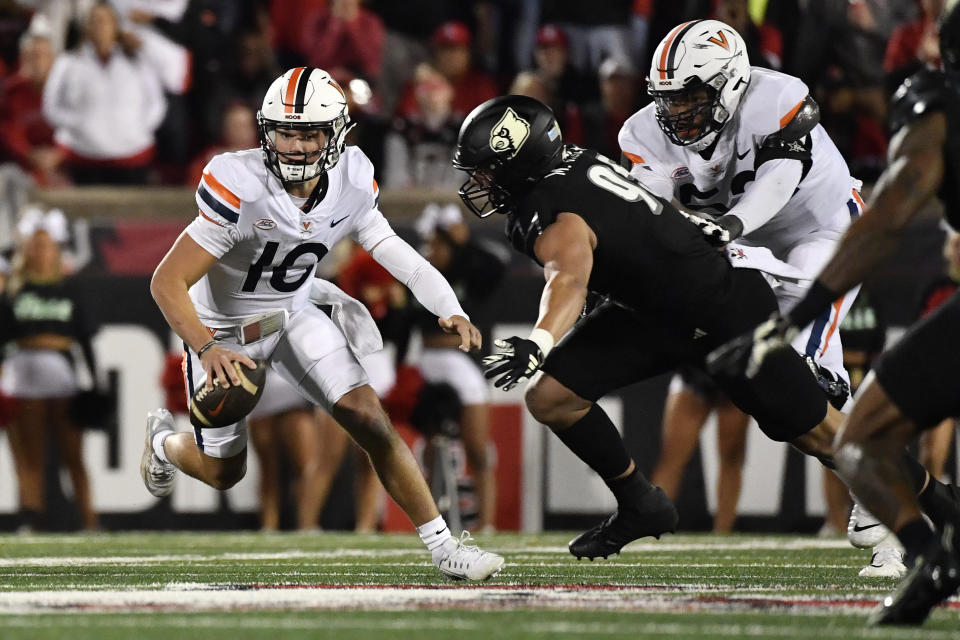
717 232
470 339
218 361
518 360
746 353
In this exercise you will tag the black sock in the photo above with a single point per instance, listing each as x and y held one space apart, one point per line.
936 499
915 536
630 488
31 519
595 440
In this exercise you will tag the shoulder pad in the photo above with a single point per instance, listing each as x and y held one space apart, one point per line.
358 173
238 173
921 93
804 120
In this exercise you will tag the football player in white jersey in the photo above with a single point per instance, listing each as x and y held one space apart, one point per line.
742 147
241 274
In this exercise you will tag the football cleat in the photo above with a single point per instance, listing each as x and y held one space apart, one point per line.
461 561
886 562
934 577
157 474
655 516
864 531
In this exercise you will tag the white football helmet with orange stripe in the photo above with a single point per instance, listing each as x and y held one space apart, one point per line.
698 77
303 98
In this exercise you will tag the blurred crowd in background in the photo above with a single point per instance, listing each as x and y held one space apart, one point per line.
145 92
138 91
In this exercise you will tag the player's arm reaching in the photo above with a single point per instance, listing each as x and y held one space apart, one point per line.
912 177
184 265
565 249
427 284
781 162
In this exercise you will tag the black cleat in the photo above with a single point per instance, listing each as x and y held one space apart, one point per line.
654 516
934 577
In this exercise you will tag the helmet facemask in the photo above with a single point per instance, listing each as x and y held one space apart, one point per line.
481 193
296 167
692 116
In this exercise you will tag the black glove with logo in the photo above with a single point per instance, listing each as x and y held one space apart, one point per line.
717 232
517 361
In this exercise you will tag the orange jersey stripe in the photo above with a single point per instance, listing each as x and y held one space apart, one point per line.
666 49
833 325
290 94
856 196
634 158
221 190
206 217
785 120
376 187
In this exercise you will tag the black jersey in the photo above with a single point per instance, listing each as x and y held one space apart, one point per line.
648 256
923 93
44 308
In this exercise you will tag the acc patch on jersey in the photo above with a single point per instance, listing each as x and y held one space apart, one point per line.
265 224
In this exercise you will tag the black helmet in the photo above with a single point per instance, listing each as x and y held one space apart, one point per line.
949 27
505 145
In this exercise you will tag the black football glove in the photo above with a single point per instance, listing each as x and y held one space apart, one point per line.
518 360
744 355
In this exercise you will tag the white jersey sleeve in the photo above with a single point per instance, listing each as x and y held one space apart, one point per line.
222 189
371 227
775 105
633 139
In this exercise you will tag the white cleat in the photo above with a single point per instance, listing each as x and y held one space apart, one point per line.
157 474
887 562
864 531
461 561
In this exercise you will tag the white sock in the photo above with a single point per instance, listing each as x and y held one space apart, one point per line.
434 533
157 444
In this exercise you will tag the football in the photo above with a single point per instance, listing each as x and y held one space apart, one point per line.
219 406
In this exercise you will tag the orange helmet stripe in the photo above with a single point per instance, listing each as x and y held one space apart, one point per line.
290 94
662 67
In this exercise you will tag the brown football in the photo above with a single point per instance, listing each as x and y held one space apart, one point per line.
220 407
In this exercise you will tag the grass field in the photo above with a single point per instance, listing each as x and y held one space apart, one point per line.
228 586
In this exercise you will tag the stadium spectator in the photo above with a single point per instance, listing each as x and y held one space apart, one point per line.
238 131
601 30
619 99
283 430
451 57
369 126
25 136
692 397
286 28
569 89
474 269
44 317
418 149
105 102
343 36
764 43
913 45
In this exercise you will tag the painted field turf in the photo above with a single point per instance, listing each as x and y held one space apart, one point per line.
228 585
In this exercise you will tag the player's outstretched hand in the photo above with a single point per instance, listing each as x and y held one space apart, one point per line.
518 359
744 355
470 339
217 360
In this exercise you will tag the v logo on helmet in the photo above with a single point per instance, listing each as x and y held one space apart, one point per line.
509 134
722 42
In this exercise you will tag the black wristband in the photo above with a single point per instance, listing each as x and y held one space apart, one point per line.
205 347
818 299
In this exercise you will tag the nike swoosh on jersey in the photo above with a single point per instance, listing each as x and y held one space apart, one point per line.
858 528
334 223
741 157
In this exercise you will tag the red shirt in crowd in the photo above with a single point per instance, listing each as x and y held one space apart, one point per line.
331 43
904 45
21 112
473 88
